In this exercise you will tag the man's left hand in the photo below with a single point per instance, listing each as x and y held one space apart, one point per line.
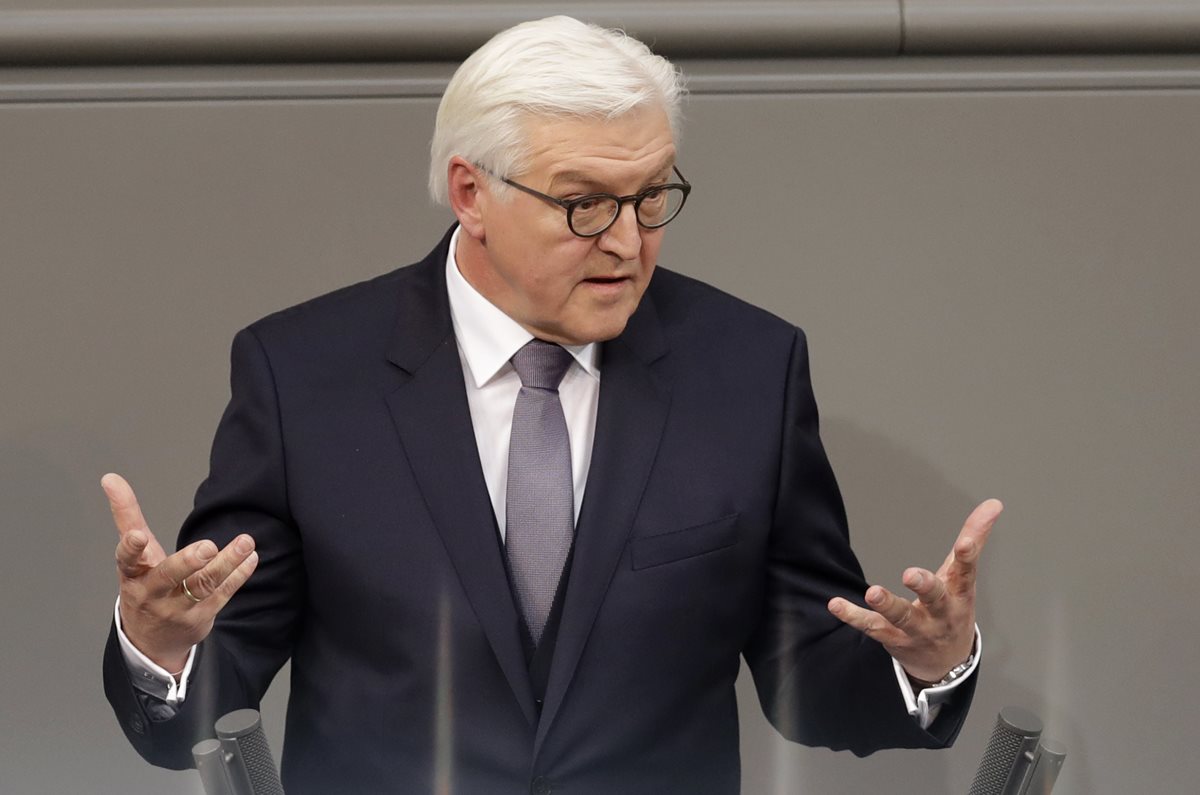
934 632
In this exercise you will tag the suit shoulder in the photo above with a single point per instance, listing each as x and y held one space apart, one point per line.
684 302
365 309
361 300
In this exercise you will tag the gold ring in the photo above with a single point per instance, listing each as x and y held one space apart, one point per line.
188 592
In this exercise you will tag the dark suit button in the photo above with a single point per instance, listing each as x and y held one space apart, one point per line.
541 786
137 723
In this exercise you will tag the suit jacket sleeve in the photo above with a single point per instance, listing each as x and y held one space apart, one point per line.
819 681
246 491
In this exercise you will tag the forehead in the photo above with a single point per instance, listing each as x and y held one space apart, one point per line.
636 146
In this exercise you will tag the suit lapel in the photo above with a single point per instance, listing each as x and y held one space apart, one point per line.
433 420
630 417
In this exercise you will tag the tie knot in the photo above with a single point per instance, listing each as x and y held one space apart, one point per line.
541 364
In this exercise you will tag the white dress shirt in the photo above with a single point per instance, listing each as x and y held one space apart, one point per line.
487 339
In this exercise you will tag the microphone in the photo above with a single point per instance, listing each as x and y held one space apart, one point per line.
238 762
1014 763
1049 760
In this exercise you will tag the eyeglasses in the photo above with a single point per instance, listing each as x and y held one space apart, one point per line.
591 215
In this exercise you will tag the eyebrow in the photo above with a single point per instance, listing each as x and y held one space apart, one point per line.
590 182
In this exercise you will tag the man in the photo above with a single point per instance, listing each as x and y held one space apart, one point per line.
514 512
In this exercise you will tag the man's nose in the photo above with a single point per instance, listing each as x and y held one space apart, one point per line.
624 238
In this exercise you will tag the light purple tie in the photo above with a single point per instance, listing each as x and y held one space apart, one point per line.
540 507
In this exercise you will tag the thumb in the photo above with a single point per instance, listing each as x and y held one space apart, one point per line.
127 514
137 549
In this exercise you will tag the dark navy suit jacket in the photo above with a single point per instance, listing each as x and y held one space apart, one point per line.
711 527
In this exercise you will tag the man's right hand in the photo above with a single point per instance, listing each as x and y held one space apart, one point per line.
169 603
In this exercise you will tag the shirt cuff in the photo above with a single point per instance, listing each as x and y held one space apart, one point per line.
926 705
148 676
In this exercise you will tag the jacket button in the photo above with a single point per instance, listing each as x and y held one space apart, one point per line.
541 786
137 723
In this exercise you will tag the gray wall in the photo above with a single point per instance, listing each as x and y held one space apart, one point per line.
993 255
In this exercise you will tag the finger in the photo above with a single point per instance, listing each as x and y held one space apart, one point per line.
961 571
127 514
130 548
236 579
202 584
898 612
173 569
868 622
928 587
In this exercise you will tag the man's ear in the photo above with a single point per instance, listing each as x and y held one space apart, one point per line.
464 182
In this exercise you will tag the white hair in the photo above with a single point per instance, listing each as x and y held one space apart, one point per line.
553 67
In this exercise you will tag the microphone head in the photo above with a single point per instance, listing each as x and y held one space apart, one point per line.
250 764
239 762
238 723
1009 753
1015 719
210 764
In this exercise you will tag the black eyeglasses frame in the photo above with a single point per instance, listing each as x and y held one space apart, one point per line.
637 198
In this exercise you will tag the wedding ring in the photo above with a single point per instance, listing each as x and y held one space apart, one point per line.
188 592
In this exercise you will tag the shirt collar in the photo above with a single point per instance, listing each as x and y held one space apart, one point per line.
487 337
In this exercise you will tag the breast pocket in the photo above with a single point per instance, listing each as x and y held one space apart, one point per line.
657 550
